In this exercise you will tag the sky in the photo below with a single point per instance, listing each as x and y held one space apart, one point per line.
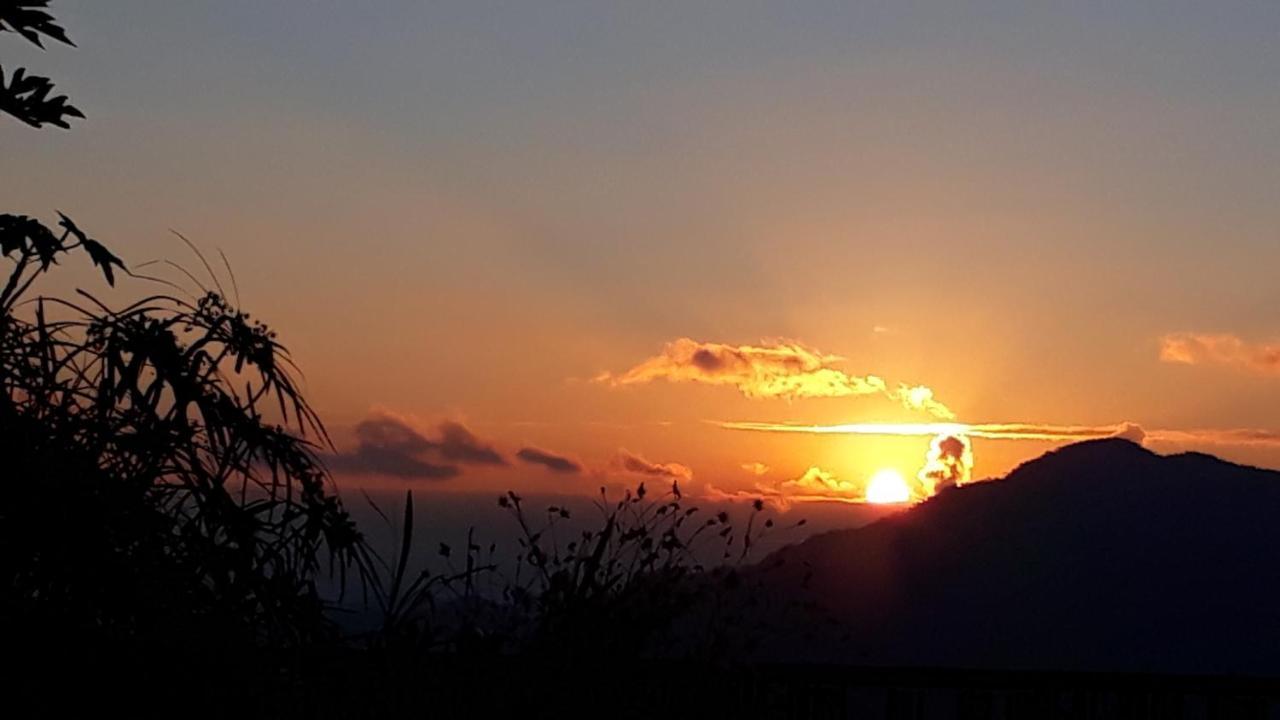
553 246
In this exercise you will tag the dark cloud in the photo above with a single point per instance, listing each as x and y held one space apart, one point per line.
459 444
551 461
390 461
386 445
632 463
707 360
949 462
390 433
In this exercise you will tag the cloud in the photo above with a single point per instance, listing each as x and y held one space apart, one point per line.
948 462
1212 436
813 485
919 397
1132 432
459 444
630 462
388 445
1220 349
783 369
994 431
755 468
551 461
1042 432
816 483
763 494
389 461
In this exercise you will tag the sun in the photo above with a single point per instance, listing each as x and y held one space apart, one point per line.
887 486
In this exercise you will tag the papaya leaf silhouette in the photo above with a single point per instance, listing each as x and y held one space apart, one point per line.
100 255
28 19
28 97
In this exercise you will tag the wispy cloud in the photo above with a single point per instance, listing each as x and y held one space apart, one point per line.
783 369
755 468
549 460
1028 431
1220 349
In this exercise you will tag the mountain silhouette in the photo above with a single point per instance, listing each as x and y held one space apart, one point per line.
1099 556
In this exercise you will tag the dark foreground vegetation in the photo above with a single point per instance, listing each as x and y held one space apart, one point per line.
167 521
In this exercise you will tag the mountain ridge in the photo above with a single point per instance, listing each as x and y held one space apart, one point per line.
1100 555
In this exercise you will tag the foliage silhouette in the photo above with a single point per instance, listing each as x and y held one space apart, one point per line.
163 494
149 425
26 97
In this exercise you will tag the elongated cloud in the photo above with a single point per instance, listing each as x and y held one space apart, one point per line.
628 461
1028 431
388 445
1220 349
813 485
551 461
816 483
773 369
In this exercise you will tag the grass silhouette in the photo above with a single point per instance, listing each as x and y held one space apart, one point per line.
645 576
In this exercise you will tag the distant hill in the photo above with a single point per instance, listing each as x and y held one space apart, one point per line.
1099 556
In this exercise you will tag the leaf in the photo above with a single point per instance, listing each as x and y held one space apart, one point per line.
101 256
43 243
26 98
14 230
67 224
22 17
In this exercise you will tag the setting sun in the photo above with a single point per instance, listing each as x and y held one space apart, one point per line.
888 486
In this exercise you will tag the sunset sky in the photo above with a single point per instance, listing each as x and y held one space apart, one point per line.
549 246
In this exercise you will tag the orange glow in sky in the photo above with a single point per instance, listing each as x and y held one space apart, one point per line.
762 262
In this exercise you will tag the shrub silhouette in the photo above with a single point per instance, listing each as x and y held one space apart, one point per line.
147 484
